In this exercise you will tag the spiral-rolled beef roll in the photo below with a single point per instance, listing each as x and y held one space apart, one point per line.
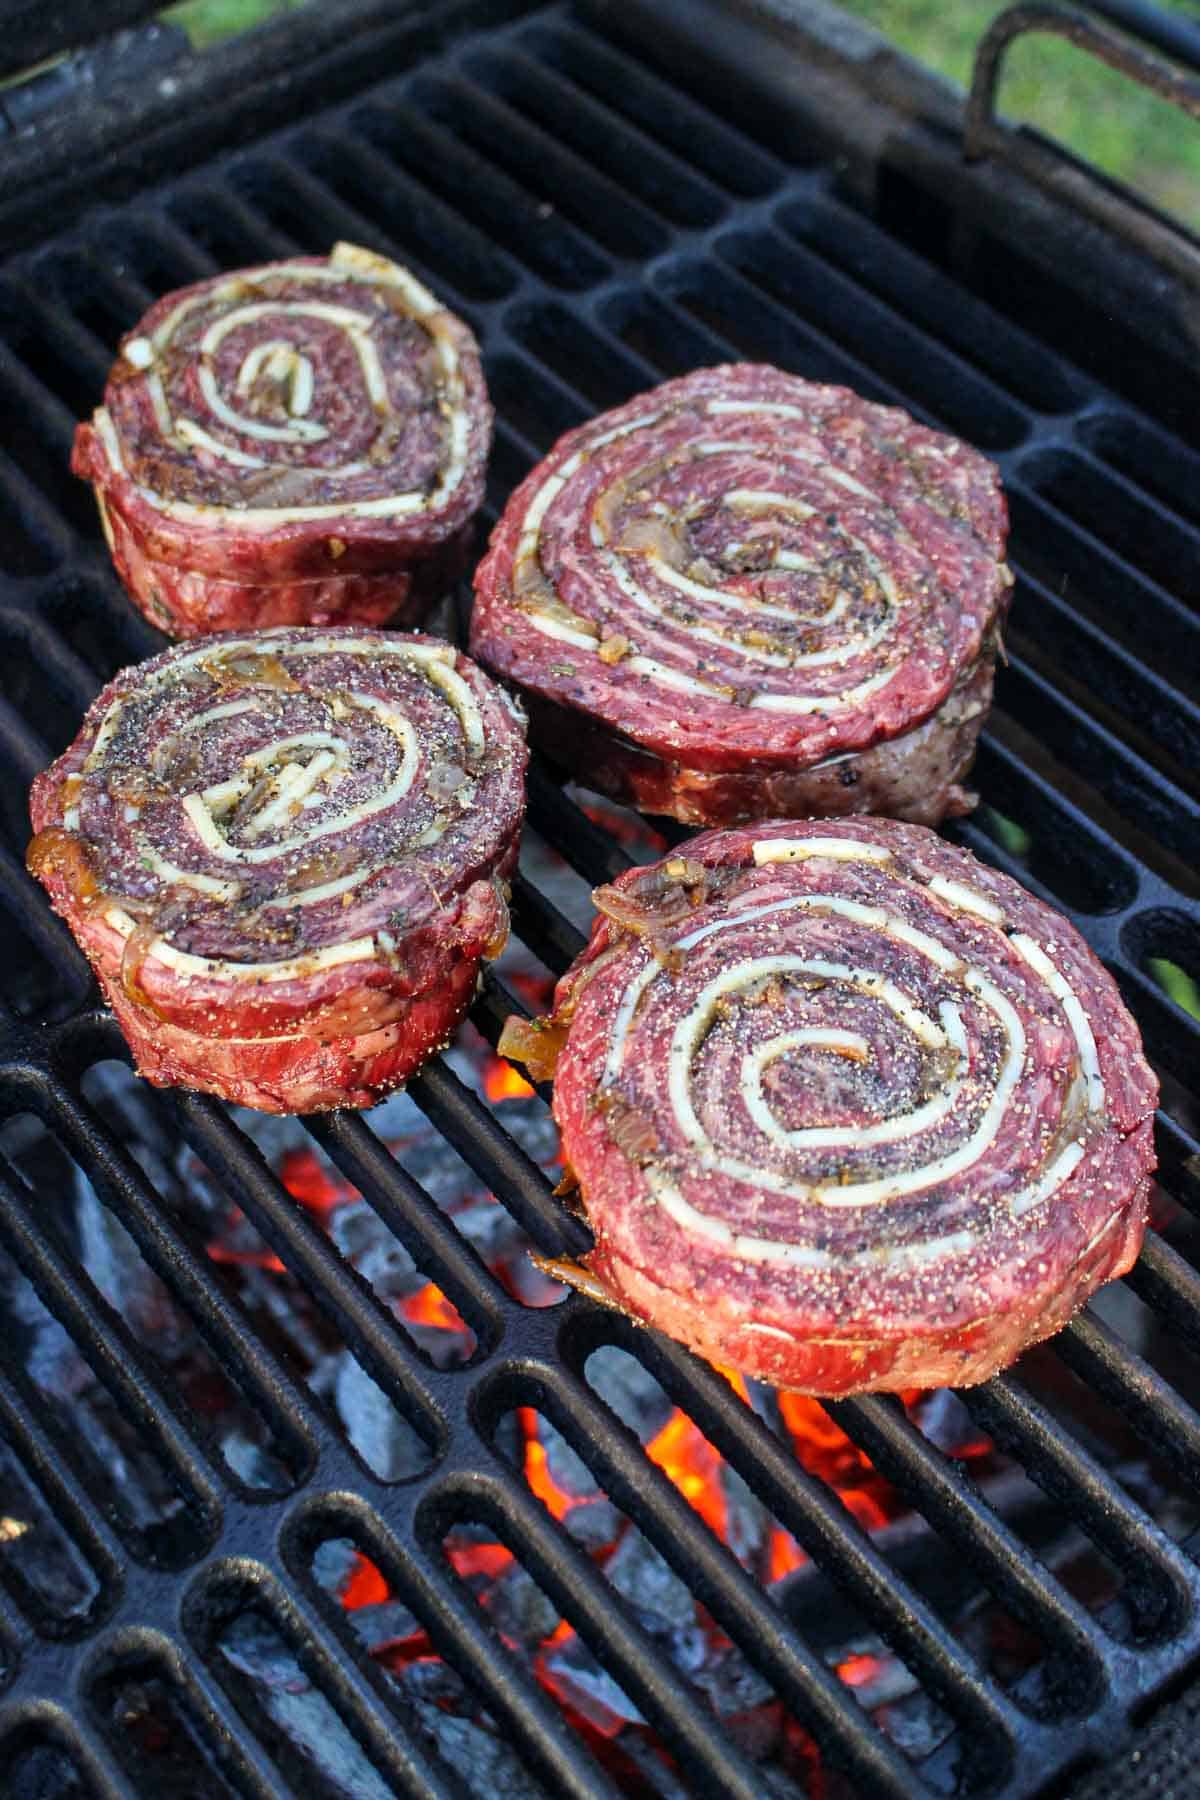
285 854
743 595
302 443
847 1109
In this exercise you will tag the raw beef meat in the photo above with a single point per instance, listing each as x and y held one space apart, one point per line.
742 595
285 854
847 1109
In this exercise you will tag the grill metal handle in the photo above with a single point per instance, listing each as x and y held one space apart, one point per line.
981 132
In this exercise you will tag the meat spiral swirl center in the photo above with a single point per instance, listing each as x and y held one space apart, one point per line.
725 557
302 391
853 1057
292 791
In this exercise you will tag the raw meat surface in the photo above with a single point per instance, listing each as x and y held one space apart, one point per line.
848 1110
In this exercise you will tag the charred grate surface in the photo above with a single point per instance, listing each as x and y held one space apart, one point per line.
601 230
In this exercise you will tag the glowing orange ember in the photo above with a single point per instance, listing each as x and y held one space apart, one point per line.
685 1455
402 1653
736 1380
366 1586
824 1450
784 1554
535 990
307 1180
502 1082
537 1467
251 1259
690 1462
857 1671
429 1306
479 1559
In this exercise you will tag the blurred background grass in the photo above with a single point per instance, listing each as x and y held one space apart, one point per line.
208 21
1100 115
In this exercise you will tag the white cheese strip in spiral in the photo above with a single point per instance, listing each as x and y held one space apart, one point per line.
975 1029
262 374
629 575
389 729
713 592
845 1109
783 581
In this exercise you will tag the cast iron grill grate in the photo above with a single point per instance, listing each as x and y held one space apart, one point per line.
601 230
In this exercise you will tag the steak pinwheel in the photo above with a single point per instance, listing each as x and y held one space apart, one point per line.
285 854
302 443
847 1109
742 595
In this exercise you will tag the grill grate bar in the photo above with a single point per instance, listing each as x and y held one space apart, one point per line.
409 1213
940 1490
547 931
667 185
67 674
107 1346
1168 1424
49 415
492 202
818 1522
498 1160
24 1430
1128 531
895 351
464 1635
250 232
40 521
678 120
47 315
735 1599
1016 1421
1170 1034
1162 512
742 323
191 1278
304 192
493 1004
191 259
1165 1281
337 1289
467 262
589 850
331 1660
945 309
48 936
1132 786
609 215
623 369
559 405
606 1622
115 291
22 749
1040 797
1134 690
1179 1160
240 1757
92 1757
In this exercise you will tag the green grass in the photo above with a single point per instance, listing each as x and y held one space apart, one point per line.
1099 114
208 21
1176 983
1102 116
